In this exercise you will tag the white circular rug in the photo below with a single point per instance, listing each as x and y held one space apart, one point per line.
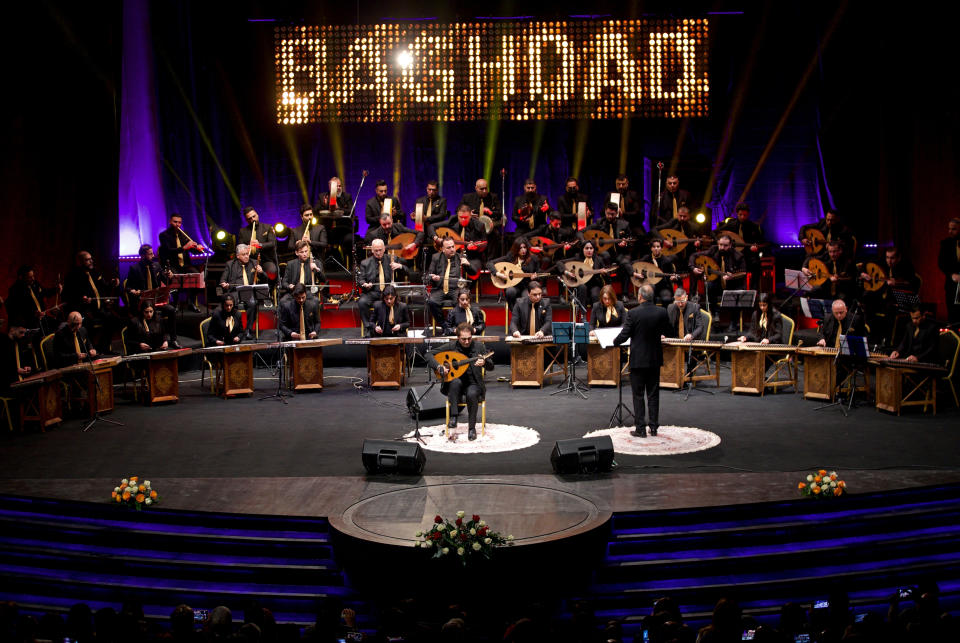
498 437
670 440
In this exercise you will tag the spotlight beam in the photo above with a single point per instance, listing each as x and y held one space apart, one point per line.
294 155
538 130
580 145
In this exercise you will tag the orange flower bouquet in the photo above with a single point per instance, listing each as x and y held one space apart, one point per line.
821 484
134 494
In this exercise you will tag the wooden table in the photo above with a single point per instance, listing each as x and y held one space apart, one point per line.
385 359
749 362
603 365
673 372
306 364
901 383
98 379
163 373
819 373
533 360
235 373
40 399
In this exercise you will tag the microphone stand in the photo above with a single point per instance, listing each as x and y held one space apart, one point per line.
616 418
280 364
503 211
416 416
573 384
354 292
96 413
659 190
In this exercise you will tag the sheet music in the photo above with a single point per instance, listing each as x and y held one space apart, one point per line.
796 280
605 336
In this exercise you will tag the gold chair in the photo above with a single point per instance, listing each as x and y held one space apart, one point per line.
483 412
950 351
137 373
788 362
6 411
207 364
703 361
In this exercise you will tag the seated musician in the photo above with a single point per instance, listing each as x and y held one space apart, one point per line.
243 271
85 290
339 202
25 300
751 233
225 325
557 233
588 292
303 270
262 242
530 209
463 312
520 256
766 323
299 316
70 343
617 254
920 342
839 323
14 364
682 225
146 275
376 271
608 312
630 206
485 207
685 318
389 317
532 315
665 264
377 205
447 269
434 206
470 385
387 229
729 262
145 333
174 251
670 201
842 282
568 203
832 229
311 231
471 231
880 306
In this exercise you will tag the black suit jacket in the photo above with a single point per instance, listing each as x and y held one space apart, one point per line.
154 335
539 213
63 347
438 266
490 202
774 331
169 253
438 211
398 228
77 285
217 329
849 326
598 316
233 273
566 208
21 309
370 273
949 264
378 317
374 207
692 320
643 327
520 319
289 318
317 238
291 276
924 346
267 239
458 315
344 203
665 213
475 350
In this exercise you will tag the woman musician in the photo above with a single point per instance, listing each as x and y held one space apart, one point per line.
588 292
766 323
523 259
607 312
145 333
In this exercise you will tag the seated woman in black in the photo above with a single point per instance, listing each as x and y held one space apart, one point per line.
766 323
608 311
588 292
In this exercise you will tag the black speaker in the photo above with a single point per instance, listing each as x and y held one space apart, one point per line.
433 404
393 456
583 455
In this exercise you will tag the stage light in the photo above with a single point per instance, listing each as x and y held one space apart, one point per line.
404 59
701 218
279 229
313 221
221 235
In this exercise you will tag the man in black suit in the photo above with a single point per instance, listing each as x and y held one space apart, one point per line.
299 316
530 209
70 343
376 271
243 271
919 343
470 385
311 231
225 326
671 201
568 204
839 323
146 275
174 252
377 205
433 206
645 326
261 240
630 205
446 270
685 318
389 318
302 270
948 260
532 315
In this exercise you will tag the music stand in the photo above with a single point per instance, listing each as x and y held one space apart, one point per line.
906 300
572 334
280 394
739 299
605 337
190 280
854 350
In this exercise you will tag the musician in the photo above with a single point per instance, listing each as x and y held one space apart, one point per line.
175 249
434 206
225 325
145 333
70 343
682 224
447 268
685 318
303 270
842 281
16 362
464 311
243 271
471 231
587 292
311 231
568 202
556 232
387 229
470 385
617 254
948 260
919 343
338 203
530 209
645 326
630 206
262 242
766 323
299 316
751 234
147 275
389 318
670 201
729 261
483 202
832 229
665 264
524 260
607 312
376 271
532 315
84 291
839 323
880 306
25 300
375 205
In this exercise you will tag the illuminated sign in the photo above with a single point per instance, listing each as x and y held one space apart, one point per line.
498 70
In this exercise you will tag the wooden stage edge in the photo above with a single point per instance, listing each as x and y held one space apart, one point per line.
594 497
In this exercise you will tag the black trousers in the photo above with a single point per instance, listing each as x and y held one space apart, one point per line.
365 303
459 389
645 384
438 300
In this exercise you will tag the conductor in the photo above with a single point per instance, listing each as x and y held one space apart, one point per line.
644 327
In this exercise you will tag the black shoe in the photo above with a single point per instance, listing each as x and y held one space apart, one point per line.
247 336
193 308
175 344
642 433
452 422
472 434
653 431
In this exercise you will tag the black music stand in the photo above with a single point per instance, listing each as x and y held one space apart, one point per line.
571 333
740 300
616 418
96 414
279 394
415 410
852 355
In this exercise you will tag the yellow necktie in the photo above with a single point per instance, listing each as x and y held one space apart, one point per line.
763 321
96 293
674 207
589 262
723 269
611 231
681 331
146 326
839 332
243 271
611 313
916 331
149 279
469 316
35 300
829 234
390 317
446 279
301 272
230 323
533 319
383 280
303 324
833 284
429 207
176 235
16 356
76 345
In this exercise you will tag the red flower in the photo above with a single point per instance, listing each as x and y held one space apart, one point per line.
437 519
482 531
437 535
459 521
463 536
476 518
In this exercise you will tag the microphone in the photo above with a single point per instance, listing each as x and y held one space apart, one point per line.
660 165
365 173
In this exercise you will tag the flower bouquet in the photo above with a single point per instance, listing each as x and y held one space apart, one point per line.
463 538
821 484
134 494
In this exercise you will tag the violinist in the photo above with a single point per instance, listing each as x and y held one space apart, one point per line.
302 270
26 301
